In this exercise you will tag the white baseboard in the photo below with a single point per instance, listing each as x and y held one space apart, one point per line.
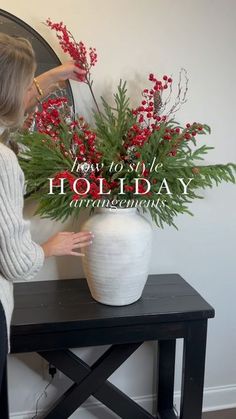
219 398
215 398
93 410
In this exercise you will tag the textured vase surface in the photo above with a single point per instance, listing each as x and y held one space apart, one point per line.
116 265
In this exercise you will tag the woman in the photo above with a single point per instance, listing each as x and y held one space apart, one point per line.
20 257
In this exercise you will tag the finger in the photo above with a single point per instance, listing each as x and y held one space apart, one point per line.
75 235
79 245
80 72
84 232
76 254
81 235
80 68
67 232
79 76
83 240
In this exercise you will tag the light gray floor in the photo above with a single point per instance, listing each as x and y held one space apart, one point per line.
223 414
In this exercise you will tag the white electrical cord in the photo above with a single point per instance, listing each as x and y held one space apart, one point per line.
43 393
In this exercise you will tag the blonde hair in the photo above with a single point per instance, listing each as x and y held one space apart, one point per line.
17 67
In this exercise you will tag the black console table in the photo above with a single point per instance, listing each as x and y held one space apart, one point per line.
51 316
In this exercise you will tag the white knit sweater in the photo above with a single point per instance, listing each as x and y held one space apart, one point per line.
20 257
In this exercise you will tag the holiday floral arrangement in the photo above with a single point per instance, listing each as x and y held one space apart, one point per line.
127 157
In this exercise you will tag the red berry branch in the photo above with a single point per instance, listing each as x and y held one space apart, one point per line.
85 59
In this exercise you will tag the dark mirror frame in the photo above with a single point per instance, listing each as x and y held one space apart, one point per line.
45 56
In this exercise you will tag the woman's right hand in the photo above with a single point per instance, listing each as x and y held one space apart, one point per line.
65 243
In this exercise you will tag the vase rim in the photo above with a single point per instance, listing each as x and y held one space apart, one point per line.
116 210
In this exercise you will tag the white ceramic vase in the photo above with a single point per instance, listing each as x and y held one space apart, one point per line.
116 265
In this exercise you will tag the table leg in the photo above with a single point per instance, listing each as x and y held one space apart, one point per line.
166 373
193 370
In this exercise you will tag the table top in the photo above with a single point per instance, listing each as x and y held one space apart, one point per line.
45 306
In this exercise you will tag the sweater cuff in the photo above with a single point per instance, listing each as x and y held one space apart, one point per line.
38 262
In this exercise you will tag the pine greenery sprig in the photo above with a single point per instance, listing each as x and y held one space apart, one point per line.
113 124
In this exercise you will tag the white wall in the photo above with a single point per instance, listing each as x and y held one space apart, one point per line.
133 39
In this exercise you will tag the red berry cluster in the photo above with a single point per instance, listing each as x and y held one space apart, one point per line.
84 148
146 114
84 142
137 136
49 118
178 136
84 58
81 185
94 188
56 116
52 103
192 130
159 85
147 108
65 174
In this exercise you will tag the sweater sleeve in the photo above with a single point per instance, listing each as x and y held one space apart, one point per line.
20 257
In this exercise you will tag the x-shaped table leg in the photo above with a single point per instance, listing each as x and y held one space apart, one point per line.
93 381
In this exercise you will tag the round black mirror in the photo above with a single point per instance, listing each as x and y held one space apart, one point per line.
45 55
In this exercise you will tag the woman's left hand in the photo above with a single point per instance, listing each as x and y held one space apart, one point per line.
50 80
69 70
